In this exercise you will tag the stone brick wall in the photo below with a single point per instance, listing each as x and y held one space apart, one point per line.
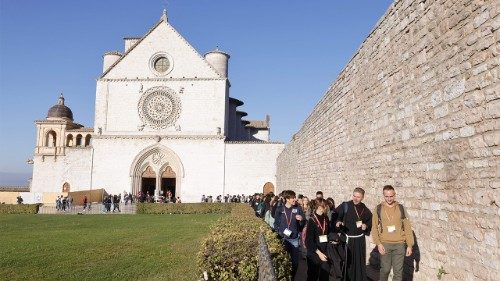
417 107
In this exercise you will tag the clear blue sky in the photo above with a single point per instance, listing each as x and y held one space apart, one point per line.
284 55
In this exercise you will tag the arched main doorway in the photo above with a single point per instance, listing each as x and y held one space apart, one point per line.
148 181
268 187
165 171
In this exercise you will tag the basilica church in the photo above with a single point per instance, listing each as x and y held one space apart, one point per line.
164 121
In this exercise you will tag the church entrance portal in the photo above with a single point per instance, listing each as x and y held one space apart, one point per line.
148 181
168 183
157 170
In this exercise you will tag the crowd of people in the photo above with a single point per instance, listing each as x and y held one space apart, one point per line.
331 239
146 197
226 199
64 204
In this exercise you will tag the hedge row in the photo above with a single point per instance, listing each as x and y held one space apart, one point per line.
19 208
231 250
184 208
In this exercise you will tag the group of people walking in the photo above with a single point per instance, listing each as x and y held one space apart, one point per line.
226 199
111 201
332 239
64 204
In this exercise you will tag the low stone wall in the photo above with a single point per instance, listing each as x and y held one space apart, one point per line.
266 268
417 107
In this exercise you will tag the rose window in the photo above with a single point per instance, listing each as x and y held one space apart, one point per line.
159 107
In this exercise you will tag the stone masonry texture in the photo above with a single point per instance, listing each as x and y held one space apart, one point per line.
417 107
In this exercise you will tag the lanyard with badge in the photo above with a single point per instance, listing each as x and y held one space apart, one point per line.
359 222
287 230
322 238
390 228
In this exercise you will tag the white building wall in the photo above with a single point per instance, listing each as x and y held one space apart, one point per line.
203 106
249 166
73 168
261 135
202 161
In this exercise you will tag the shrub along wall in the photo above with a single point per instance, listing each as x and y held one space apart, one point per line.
231 250
184 208
19 208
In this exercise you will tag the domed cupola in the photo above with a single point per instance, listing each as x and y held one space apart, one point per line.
60 110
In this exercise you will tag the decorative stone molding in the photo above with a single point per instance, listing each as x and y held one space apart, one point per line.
157 158
167 137
159 107
81 130
254 142
158 79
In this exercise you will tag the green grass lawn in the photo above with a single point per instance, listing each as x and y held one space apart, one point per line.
101 247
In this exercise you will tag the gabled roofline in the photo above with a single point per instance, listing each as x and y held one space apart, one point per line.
131 48
162 19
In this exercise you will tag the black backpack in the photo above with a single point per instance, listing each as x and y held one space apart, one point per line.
403 216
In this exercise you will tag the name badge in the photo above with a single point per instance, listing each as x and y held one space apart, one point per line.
294 211
323 239
359 224
287 232
391 228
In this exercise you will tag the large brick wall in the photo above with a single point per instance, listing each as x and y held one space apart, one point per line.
417 107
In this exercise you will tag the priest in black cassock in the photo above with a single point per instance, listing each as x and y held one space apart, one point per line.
355 220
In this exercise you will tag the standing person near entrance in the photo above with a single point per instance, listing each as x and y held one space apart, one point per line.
391 231
288 222
355 220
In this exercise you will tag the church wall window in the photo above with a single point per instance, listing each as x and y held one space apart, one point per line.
50 139
78 140
161 64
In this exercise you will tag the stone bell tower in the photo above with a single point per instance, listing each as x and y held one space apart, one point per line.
50 136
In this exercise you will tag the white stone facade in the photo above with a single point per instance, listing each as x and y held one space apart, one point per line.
163 121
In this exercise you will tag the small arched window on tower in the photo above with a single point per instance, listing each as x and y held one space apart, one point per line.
78 140
69 140
88 139
50 139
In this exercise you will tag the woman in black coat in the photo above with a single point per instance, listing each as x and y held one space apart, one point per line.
317 231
